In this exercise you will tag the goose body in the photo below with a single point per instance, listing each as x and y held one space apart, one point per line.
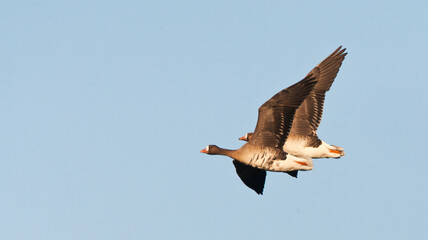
265 158
264 151
307 146
303 139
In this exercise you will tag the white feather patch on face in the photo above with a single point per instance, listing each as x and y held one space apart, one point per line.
207 149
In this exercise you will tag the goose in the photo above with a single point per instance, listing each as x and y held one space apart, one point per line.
264 151
303 139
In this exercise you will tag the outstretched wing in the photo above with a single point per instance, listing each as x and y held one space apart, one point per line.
276 115
308 115
253 178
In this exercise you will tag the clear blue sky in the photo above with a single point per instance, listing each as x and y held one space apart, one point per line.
105 106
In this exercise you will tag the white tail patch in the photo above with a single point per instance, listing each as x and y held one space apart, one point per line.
297 148
303 163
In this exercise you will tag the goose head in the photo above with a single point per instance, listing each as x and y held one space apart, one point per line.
211 149
247 137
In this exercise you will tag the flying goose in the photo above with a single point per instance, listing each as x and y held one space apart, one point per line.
264 151
303 139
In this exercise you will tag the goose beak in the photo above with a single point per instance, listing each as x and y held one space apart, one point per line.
204 150
242 138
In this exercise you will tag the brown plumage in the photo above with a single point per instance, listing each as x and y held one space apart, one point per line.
303 139
308 115
276 115
264 151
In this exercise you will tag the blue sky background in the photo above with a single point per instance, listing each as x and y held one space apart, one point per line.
105 106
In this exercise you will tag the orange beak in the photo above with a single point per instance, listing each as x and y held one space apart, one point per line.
204 150
243 138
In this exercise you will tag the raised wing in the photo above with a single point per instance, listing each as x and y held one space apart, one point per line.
308 115
276 115
253 178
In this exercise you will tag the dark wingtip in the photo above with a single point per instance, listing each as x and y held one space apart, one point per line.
259 191
293 173
341 52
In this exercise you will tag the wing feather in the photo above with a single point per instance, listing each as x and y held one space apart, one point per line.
308 116
276 115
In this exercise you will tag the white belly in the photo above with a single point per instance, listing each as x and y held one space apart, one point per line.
291 163
298 147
